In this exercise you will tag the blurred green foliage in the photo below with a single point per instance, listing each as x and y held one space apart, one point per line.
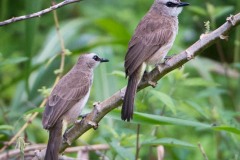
199 103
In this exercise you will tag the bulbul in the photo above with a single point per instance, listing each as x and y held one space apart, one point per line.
153 38
67 100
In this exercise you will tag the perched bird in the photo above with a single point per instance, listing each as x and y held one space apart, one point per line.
67 100
153 38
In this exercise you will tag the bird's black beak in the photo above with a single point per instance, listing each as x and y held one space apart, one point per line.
182 4
103 60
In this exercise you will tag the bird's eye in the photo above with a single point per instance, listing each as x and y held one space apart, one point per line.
170 4
96 58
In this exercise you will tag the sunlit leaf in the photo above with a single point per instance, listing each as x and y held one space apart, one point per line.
221 11
118 73
228 129
150 119
13 61
6 127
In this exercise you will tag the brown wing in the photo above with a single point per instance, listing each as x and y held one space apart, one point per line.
69 90
149 36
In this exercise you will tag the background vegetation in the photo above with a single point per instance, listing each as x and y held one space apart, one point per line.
204 93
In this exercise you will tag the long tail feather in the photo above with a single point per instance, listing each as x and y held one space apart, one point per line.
54 142
128 104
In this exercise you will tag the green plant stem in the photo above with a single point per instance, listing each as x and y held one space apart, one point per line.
137 142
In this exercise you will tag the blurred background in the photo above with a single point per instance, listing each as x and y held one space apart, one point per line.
205 91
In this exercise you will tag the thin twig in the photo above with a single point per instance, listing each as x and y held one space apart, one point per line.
137 142
202 151
35 147
60 39
38 14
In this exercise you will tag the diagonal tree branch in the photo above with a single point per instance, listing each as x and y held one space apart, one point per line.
38 14
102 108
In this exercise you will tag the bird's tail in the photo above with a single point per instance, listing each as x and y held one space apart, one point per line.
54 142
128 103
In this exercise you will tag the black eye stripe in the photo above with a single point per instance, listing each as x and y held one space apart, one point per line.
96 58
170 4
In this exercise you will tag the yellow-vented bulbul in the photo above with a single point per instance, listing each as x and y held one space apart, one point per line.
67 100
153 38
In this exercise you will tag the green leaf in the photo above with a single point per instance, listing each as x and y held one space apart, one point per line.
121 151
228 129
12 61
221 11
118 73
167 100
198 10
6 127
168 142
198 82
150 119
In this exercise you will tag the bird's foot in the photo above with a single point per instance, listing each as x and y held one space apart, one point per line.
93 124
145 75
65 139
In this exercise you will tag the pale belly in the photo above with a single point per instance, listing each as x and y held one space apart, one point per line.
72 115
162 52
159 55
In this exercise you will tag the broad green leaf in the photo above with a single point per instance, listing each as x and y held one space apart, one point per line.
197 107
6 127
221 11
228 129
121 151
113 27
12 61
168 142
167 100
118 73
150 119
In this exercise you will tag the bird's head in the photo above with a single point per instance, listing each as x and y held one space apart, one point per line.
92 60
170 7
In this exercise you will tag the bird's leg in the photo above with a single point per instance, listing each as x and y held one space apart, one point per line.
147 78
64 131
65 139
145 75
